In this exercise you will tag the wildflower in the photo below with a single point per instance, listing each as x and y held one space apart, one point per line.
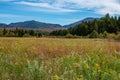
94 72
97 65
106 73
56 77
87 65
103 62
99 70
77 65
81 76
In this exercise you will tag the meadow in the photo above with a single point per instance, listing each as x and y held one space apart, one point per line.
59 59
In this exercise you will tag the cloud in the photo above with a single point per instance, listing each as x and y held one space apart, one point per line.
10 16
45 7
97 6
100 7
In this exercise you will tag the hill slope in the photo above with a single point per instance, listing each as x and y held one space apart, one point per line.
35 25
41 25
79 22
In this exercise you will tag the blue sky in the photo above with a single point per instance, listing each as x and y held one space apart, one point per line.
56 11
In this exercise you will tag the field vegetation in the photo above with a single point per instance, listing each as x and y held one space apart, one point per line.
59 59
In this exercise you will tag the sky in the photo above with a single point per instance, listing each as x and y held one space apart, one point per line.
56 11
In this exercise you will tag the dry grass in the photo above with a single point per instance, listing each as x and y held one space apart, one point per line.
65 59
50 47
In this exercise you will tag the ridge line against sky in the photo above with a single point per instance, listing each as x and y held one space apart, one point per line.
56 11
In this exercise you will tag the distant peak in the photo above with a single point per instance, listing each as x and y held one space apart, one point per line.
30 21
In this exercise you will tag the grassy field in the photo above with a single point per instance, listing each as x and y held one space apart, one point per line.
59 59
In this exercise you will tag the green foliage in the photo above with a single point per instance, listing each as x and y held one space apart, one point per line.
39 34
107 23
105 34
111 36
117 37
20 33
1 33
10 34
59 33
100 35
72 59
69 36
94 34
104 24
26 35
89 67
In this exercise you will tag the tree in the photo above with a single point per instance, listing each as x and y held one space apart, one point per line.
1 33
31 32
39 34
10 34
4 32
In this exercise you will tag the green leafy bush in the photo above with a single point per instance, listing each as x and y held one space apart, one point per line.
94 34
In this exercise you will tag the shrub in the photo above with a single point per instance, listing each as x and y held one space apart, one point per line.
105 34
94 34
100 35
26 35
69 36
111 36
117 37
10 34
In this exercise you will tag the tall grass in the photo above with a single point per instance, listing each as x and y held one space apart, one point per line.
59 59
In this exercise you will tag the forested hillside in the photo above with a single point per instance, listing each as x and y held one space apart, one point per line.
105 24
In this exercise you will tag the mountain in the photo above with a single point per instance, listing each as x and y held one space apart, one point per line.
41 25
2 25
35 25
79 22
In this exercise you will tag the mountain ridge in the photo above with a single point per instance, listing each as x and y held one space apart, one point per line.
80 21
32 24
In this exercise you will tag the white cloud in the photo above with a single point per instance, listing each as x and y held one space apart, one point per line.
97 6
10 16
46 7
101 6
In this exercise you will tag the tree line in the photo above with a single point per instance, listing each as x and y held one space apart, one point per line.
103 25
20 33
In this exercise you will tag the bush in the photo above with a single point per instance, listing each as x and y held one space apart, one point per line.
100 35
111 36
94 34
10 34
39 34
26 35
71 36
105 34
117 37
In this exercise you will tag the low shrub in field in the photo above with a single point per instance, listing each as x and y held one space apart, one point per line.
111 36
117 37
114 36
69 36
27 35
94 34
105 34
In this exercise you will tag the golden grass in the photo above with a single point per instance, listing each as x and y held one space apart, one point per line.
59 59
53 47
